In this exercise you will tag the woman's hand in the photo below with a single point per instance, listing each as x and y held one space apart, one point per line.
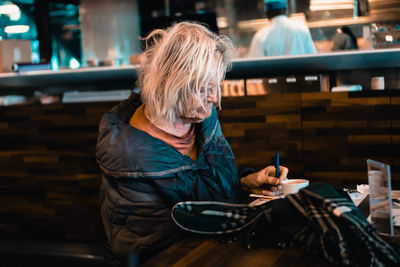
264 182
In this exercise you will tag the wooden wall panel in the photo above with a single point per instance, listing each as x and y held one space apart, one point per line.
49 179
395 148
325 137
262 126
340 132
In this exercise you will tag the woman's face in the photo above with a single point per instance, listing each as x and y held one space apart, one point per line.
209 97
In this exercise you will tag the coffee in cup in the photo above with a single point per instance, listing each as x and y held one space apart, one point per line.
292 186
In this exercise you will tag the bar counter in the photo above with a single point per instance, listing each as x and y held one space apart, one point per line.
373 62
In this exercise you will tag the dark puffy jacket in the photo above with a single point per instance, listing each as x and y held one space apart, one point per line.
143 178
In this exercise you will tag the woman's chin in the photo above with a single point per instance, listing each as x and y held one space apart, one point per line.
200 117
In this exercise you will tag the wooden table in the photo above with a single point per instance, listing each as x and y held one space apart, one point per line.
211 252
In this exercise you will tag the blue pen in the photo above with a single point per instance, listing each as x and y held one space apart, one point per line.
277 168
277 164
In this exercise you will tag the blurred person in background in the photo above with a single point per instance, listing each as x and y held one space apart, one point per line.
165 145
282 36
344 39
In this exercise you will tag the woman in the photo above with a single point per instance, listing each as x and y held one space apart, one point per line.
166 145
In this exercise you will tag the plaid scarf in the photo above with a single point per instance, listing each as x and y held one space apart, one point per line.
318 219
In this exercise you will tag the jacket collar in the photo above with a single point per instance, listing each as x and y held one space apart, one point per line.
125 110
120 150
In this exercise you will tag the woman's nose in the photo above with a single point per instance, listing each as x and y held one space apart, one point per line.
212 96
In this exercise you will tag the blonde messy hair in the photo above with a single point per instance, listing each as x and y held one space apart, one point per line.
178 63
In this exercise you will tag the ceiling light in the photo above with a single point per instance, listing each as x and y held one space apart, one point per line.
16 29
389 38
11 10
222 22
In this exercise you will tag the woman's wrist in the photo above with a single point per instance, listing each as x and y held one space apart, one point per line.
247 182
246 172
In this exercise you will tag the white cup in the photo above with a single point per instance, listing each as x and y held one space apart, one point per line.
292 186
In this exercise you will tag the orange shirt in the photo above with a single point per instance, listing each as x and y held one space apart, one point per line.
185 144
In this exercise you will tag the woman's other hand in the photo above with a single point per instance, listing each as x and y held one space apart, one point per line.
265 181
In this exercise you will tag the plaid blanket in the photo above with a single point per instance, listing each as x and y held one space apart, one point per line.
318 219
